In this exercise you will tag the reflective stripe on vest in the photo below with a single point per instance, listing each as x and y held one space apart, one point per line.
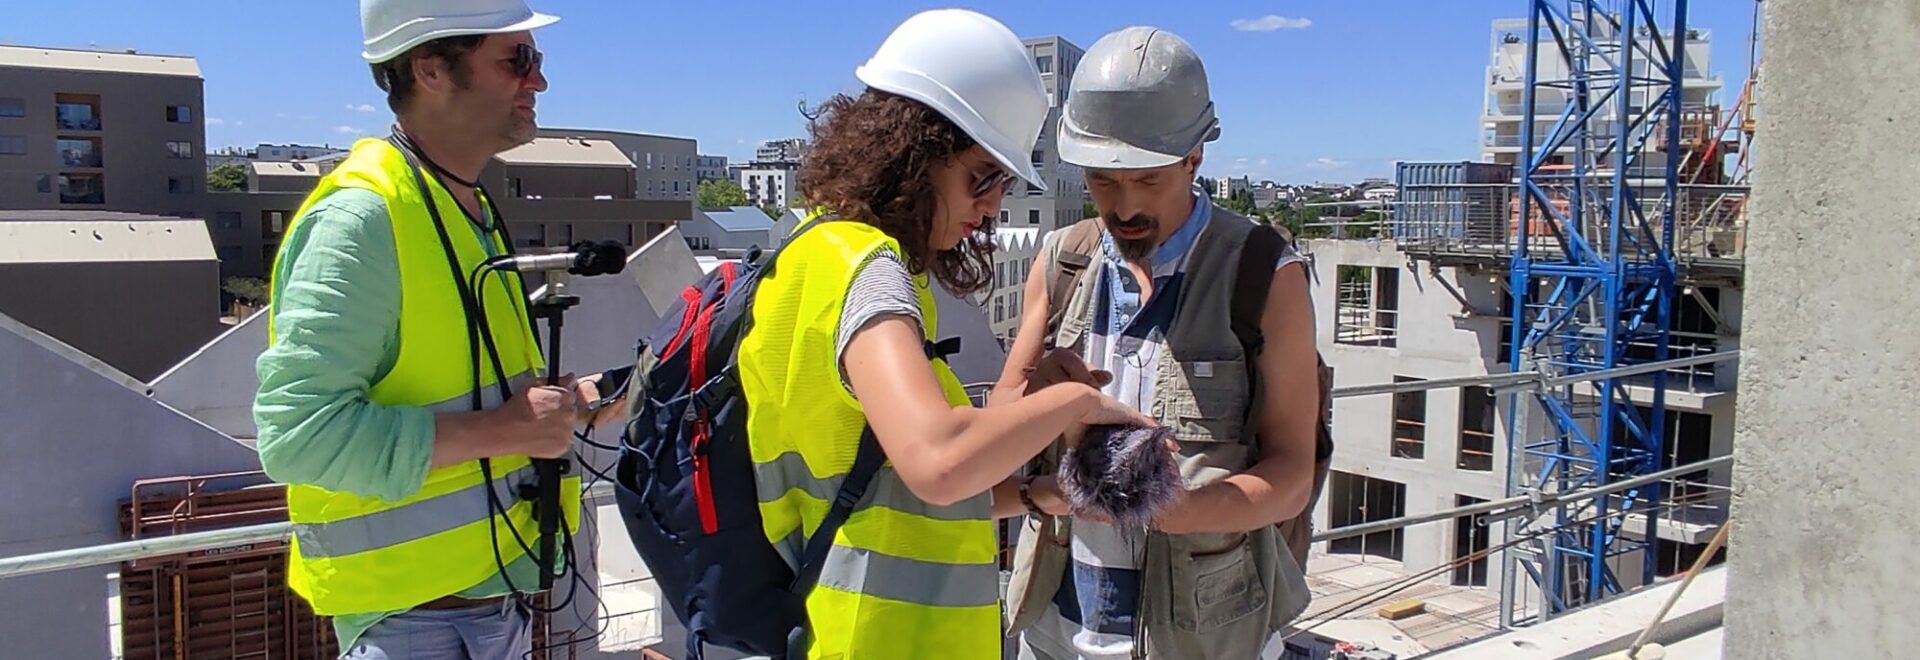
354 554
904 578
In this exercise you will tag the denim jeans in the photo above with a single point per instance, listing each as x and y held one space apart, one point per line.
489 632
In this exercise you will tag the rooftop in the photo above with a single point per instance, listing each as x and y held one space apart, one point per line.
741 218
577 152
125 61
279 168
41 241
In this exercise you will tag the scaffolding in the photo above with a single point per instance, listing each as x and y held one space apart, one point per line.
1593 275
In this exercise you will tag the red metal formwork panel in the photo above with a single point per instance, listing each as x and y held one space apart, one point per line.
230 602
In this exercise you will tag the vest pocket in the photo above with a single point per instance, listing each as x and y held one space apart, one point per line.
1207 402
1226 586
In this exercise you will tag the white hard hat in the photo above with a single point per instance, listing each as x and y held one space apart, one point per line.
1138 99
393 26
973 71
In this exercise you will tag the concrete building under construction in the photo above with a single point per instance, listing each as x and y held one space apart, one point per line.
1429 295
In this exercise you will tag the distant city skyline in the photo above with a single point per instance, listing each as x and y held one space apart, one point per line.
1306 90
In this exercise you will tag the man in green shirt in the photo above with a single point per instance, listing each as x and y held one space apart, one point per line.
462 89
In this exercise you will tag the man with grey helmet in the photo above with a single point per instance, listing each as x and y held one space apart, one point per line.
1154 297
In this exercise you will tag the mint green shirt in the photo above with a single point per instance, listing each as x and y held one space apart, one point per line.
336 293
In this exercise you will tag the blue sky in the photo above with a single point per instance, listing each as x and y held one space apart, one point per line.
1338 89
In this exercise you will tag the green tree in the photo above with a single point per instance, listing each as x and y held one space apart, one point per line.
1241 202
250 290
1088 210
715 193
773 211
1207 183
231 177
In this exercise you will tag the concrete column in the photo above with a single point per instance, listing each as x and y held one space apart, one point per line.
1826 474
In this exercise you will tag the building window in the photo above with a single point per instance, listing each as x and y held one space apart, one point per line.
1470 539
43 184
1367 307
633 235
1033 216
272 224
1003 216
999 309
82 189
12 107
1409 421
179 185
566 233
78 152
1355 500
227 220
1294 651
180 149
1476 429
1044 63
179 114
13 145
77 112
267 254
513 187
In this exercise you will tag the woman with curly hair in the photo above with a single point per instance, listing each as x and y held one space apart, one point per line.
909 176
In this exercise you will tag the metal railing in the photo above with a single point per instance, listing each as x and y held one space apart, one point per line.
1709 220
147 548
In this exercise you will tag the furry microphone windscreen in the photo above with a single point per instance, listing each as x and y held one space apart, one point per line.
1122 472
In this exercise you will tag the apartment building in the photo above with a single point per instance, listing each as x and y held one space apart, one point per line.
101 131
784 150
1064 201
775 185
710 168
556 191
664 167
1012 261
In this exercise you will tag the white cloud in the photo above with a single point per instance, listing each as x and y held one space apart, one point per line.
347 130
281 115
1328 164
237 123
360 108
216 121
1269 23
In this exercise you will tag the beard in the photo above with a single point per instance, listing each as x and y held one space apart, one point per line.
1133 249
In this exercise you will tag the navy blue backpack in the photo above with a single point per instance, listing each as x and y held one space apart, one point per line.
685 481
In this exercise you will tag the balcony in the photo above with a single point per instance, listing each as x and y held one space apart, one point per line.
78 152
77 112
82 189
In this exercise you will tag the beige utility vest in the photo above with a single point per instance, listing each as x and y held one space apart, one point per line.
1203 596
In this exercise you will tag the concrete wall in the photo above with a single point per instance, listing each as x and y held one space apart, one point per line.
217 383
77 435
140 317
1825 493
133 137
559 181
242 228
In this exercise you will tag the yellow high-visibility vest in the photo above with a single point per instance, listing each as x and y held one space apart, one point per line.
904 578
353 554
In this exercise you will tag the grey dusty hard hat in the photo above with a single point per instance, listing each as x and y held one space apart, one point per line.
1138 100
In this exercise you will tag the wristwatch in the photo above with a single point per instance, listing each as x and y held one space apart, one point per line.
1026 497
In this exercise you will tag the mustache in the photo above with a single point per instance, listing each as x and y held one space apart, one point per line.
1137 221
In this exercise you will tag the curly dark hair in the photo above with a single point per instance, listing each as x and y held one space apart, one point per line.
869 163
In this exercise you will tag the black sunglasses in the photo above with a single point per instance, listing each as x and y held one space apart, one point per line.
985 184
526 60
